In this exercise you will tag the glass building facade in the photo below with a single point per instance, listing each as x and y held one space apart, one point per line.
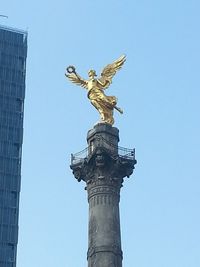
13 52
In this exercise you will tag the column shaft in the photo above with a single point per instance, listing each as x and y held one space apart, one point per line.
104 248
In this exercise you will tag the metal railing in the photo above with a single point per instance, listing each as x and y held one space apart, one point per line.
126 152
102 142
79 156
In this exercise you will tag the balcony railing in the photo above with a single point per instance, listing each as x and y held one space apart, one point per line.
123 152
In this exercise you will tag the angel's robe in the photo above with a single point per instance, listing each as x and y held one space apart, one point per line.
104 104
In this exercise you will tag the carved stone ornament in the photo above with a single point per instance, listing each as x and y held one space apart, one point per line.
102 165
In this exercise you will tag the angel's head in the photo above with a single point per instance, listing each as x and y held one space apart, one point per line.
92 73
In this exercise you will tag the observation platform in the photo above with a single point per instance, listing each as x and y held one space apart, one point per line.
122 152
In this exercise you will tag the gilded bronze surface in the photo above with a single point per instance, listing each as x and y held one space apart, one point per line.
96 86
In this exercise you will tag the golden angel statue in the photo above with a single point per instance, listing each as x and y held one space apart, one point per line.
95 87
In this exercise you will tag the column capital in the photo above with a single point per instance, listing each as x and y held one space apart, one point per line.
104 161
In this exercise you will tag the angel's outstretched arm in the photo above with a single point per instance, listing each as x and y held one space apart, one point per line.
77 79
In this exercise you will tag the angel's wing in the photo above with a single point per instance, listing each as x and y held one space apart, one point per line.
75 78
109 71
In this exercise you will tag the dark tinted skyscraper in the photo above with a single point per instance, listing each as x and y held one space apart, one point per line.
13 51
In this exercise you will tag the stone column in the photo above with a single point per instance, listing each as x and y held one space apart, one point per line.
104 248
103 171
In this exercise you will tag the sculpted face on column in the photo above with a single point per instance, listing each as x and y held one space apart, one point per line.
99 159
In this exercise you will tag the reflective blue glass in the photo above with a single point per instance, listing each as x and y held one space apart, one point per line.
13 52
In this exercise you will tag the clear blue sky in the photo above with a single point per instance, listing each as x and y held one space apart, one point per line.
159 90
